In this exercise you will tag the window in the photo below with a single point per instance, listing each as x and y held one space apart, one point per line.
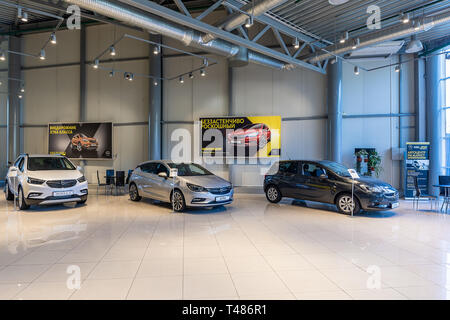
312 170
288 167
49 163
149 167
191 169
161 168
21 162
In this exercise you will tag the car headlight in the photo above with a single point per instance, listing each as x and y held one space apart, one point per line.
35 181
81 179
367 188
196 188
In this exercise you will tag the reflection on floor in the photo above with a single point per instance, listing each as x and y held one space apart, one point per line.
113 248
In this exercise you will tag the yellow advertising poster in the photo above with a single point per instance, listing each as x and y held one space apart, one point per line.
241 137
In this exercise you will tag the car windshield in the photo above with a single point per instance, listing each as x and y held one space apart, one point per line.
191 169
49 163
337 168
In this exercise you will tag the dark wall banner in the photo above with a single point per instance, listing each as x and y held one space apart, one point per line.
246 137
417 165
81 140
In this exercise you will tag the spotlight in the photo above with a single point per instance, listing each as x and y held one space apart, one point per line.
2 56
404 17
296 43
96 64
333 61
1 83
112 50
112 73
205 62
344 37
356 70
155 83
19 96
191 76
42 54
53 38
356 43
22 15
128 76
249 22
397 69
22 89
156 50
202 72
181 80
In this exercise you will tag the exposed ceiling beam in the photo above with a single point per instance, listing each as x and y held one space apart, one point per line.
193 23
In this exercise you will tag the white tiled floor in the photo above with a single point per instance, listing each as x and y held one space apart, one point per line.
248 250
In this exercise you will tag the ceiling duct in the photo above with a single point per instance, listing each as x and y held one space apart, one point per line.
392 33
188 37
238 19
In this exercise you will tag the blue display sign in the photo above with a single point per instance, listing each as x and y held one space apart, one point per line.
417 165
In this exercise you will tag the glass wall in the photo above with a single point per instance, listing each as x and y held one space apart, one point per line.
446 87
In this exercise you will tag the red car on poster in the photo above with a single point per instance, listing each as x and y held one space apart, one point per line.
255 134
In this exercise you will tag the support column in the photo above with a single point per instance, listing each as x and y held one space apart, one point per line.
230 113
334 102
14 103
434 71
420 100
155 98
83 87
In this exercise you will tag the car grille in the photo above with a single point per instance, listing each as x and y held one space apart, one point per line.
61 183
223 190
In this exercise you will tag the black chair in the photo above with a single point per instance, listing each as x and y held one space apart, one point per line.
418 195
444 180
110 178
120 180
99 184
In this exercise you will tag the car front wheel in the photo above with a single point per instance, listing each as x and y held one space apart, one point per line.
178 202
346 204
21 199
273 194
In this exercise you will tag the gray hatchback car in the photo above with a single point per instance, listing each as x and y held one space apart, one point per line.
194 185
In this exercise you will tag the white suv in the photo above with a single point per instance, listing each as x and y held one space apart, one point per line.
45 179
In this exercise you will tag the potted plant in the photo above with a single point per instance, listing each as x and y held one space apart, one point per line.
374 163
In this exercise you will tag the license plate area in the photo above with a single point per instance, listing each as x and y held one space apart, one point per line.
62 193
395 205
222 198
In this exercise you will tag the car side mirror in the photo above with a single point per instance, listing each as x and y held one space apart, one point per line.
162 175
323 176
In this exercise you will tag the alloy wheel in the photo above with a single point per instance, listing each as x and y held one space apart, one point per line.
133 192
346 204
272 193
177 200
